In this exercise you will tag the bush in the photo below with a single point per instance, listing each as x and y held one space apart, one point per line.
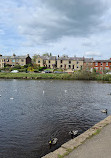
16 67
42 68
36 70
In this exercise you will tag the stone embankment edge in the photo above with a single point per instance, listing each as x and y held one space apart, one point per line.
69 146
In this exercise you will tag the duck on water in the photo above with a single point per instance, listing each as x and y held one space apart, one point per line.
53 141
104 111
73 133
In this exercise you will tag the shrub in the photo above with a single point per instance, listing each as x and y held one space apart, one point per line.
42 68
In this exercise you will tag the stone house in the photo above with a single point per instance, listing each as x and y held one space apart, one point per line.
70 63
46 61
14 60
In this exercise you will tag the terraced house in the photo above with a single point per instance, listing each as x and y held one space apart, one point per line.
102 64
47 61
14 60
63 62
70 63
88 64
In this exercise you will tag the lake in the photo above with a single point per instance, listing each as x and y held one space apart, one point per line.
40 110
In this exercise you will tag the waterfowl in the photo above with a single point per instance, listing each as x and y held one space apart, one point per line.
11 98
73 132
0 95
53 141
104 111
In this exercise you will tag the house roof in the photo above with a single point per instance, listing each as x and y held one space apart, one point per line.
88 60
102 61
48 57
70 58
14 57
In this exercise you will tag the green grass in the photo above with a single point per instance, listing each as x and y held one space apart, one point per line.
62 76
97 132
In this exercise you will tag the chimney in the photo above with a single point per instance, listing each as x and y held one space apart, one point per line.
14 54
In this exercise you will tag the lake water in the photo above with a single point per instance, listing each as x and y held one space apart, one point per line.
45 109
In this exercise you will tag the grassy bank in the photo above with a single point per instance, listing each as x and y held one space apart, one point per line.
64 76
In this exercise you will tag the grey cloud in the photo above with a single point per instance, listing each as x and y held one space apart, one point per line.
59 18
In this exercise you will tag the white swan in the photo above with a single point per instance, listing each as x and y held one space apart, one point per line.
11 98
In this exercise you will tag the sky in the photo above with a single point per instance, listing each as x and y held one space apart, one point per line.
71 27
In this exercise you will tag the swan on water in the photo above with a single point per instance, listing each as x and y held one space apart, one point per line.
11 98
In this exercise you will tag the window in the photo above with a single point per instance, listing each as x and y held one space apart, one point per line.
107 68
106 63
49 65
61 61
22 60
96 64
77 67
13 60
38 61
61 66
7 60
73 66
49 61
69 62
17 60
101 64
69 66
77 62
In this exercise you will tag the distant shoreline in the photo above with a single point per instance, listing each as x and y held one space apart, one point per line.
71 76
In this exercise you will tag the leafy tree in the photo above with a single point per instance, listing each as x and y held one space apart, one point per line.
47 54
17 67
34 58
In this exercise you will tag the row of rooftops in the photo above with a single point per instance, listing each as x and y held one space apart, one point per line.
64 57
14 57
87 60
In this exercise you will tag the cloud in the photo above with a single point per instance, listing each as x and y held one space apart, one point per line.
71 27
48 21
93 54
